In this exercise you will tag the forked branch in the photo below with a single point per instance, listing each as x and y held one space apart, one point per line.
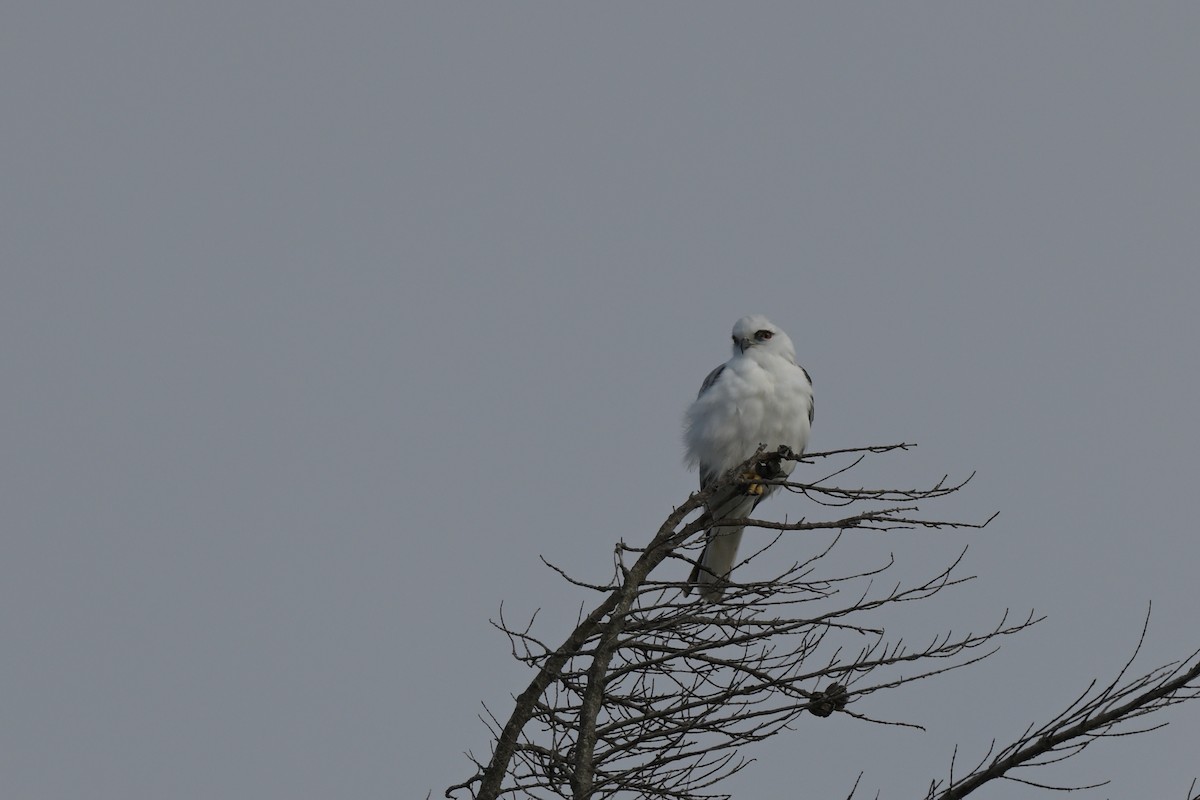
657 695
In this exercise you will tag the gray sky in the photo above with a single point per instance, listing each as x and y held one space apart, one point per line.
320 322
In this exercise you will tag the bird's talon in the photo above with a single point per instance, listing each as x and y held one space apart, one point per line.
752 486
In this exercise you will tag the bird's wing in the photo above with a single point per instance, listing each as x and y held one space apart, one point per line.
721 543
709 473
711 378
812 406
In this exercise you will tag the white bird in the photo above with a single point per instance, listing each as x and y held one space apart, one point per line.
760 396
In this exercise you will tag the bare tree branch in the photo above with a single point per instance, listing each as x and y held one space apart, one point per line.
1089 718
655 695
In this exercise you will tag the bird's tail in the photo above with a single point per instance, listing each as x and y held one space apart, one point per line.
711 572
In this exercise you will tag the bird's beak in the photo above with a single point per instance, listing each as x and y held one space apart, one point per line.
742 344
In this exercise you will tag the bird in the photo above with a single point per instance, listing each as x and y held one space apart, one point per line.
760 397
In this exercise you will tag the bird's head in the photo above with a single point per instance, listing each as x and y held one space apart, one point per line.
758 334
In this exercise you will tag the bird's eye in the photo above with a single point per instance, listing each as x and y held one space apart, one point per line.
762 336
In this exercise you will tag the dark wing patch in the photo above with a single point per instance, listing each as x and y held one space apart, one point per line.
812 405
710 380
707 473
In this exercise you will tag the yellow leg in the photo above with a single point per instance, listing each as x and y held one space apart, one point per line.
753 488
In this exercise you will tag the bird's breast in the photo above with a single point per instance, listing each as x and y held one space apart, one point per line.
751 405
